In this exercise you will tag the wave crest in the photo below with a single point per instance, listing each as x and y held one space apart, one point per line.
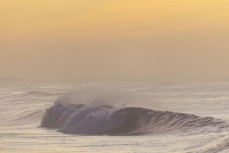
95 119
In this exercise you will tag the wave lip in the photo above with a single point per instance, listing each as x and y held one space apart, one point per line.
95 119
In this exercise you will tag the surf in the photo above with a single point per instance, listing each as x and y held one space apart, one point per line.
94 118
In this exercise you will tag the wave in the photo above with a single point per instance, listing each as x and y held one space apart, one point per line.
42 94
97 119
21 118
216 145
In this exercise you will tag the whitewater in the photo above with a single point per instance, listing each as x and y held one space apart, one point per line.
111 117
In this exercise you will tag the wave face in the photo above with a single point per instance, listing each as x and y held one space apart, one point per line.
96 119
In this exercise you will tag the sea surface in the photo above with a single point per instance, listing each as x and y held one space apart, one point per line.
114 117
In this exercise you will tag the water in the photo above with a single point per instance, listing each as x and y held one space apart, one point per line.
23 105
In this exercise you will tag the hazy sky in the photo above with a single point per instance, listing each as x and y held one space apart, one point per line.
114 39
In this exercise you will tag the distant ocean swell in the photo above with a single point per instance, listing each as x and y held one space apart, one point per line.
95 119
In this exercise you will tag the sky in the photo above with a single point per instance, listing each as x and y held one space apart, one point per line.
114 39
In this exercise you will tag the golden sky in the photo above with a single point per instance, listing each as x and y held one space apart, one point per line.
114 39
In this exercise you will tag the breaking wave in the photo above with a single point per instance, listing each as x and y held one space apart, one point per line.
99 112
94 119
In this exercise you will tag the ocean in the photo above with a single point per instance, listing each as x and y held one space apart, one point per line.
114 117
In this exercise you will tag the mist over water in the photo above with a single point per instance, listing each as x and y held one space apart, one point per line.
99 112
125 117
138 42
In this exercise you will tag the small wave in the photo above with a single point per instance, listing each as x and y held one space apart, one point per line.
42 94
95 119
220 144
22 118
